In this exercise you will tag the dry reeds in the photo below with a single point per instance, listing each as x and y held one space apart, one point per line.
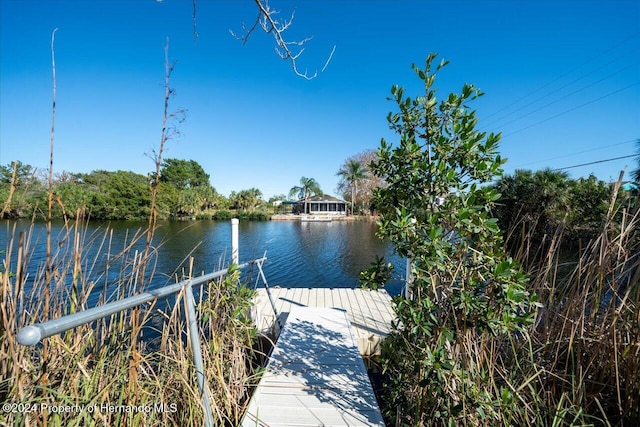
581 361
89 368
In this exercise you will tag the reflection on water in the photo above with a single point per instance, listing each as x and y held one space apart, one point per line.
309 254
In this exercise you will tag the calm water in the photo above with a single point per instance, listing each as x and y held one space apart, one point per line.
298 254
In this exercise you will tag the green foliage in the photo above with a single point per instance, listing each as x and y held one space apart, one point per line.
536 204
183 174
21 195
183 190
352 172
24 174
225 215
246 199
589 203
117 195
308 187
465 290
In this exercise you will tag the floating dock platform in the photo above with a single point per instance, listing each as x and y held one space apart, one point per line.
369 312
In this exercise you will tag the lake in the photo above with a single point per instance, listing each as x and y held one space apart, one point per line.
299 254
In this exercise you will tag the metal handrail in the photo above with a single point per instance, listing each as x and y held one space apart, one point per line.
33 334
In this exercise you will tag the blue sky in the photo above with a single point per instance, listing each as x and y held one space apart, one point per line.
561 82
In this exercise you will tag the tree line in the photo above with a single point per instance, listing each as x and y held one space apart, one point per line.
541 200
183 190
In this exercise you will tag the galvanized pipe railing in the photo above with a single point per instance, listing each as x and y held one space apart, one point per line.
31 335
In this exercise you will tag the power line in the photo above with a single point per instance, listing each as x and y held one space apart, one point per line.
624 41
556 100
574 108
599 161
579 152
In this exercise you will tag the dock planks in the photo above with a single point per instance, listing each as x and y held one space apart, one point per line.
315 376
369 312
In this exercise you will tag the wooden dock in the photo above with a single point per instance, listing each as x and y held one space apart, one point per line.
369 312
315 376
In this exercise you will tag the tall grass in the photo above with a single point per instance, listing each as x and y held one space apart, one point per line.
88 369
580 364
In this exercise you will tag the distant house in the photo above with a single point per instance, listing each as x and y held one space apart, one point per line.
325 205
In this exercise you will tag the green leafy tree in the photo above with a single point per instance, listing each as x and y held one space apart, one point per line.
21 192
588 205
167 201
532 204
183 174
74 198
24 174
208 197
246 199
308 187
118 195
352 172
465 291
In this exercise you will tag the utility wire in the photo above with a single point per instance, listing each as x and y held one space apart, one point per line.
562 76
556 100
598 161
573 109
578 152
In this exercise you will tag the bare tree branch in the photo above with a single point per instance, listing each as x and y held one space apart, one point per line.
270 24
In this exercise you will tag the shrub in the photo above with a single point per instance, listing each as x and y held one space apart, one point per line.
465 291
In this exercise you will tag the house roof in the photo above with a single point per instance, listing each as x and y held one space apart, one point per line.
323 198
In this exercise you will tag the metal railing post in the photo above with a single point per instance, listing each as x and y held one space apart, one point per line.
194 337
408 292
234 241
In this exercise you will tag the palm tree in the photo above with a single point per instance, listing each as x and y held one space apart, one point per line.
307 188
552 189
353 172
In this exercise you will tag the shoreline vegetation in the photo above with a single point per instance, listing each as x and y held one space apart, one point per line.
577 365
180 191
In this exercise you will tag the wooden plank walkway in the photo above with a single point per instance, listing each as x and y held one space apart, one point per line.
369 312
315 376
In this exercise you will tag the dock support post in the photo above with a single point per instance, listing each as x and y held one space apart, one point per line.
234 240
